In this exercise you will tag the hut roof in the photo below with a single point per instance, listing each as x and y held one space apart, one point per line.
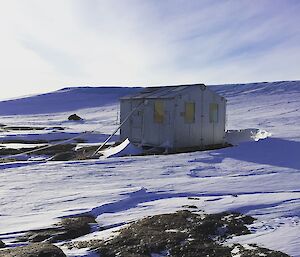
161 92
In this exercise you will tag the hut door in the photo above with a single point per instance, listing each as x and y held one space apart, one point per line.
186 128
136 124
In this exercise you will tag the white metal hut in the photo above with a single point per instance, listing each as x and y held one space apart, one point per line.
174 117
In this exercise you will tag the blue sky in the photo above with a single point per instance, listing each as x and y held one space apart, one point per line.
50 44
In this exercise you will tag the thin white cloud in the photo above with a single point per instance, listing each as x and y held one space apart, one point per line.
46 45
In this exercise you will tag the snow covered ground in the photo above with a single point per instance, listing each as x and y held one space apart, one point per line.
260 178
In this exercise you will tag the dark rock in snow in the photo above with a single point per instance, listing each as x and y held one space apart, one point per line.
33 250
57 149
74 117
22 128
2 245
190 206
181 234
194 198
56 128
92 244
41 236
68 228
75 227
23 141
66 156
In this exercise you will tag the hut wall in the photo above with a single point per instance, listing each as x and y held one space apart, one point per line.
158 122
195 117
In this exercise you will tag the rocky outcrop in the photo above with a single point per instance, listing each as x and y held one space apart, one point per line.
68 228
66 156
33 250
2 245
74 117
183 234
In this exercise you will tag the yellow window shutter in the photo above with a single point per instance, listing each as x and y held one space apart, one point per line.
189 113
159 112
213 113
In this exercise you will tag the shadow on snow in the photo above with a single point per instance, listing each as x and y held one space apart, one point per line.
271 151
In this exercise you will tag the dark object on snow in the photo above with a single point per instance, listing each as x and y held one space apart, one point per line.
76 226
2 245
190 206
74 117
68 228
66 156
33 250
183 234
22 128
56 128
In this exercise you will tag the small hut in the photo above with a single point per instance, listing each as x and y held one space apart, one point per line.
174 117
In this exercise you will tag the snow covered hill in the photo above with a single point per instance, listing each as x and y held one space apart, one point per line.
261 178
64 100
271 106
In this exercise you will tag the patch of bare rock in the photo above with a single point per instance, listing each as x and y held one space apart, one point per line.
74 117
68 228
41 241
33 250
2 245
180 234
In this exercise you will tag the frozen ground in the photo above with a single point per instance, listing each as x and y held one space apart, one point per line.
261 178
